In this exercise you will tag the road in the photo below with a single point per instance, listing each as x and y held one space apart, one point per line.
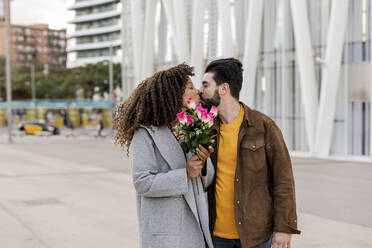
77 192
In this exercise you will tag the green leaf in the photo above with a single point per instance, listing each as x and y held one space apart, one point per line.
184 146
213 136
192 135
194 143
204 140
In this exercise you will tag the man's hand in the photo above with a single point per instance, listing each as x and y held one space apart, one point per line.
281 240
193 167
203 153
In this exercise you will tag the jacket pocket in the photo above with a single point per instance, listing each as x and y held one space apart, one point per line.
252 151
166 215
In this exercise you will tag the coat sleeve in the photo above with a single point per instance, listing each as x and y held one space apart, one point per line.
207 179
283 187
147 179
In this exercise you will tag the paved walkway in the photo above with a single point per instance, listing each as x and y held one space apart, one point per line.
59 202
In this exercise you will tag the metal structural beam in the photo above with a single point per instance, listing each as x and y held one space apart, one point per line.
305 63
137 36
197 40
167 5
182 35
224 14
162 36
251 50
125 84
149 36
331 72
239 10
285 46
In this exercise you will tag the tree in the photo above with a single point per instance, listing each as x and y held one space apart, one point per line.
60 82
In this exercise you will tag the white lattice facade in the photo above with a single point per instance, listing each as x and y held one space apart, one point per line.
306 63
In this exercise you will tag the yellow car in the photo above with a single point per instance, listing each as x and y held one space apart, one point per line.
36 127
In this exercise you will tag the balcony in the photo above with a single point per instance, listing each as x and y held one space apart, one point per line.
97 16
94 31
96 45
85 4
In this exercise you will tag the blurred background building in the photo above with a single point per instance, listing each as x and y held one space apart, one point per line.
96 27
35 42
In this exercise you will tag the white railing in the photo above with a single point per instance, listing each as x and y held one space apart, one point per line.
95 45
93 31
90 3
96 16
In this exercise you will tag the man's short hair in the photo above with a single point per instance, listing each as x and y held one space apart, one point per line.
229 70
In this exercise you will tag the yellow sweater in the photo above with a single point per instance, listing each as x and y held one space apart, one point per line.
225 226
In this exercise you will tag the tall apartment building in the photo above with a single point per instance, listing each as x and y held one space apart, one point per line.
29 42
96 28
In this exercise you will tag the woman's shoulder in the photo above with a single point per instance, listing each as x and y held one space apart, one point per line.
146 136
141 132
146 132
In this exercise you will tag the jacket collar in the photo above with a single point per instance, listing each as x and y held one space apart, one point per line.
248 115
248 118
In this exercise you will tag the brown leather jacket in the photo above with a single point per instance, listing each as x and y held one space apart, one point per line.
264 185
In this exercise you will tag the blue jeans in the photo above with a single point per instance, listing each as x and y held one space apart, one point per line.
235 243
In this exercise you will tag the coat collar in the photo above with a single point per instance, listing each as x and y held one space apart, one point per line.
168 146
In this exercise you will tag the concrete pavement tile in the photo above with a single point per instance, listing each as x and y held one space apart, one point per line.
91 210
14 233
20 163
318 232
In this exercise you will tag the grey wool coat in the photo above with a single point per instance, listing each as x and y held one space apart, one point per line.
170 211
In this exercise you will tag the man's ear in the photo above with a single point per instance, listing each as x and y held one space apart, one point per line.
224 89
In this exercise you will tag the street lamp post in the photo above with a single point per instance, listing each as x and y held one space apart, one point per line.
111 85
33 89
8 69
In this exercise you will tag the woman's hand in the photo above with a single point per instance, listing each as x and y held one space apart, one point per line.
203 153
193 167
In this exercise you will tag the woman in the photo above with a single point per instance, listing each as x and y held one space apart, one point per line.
170 213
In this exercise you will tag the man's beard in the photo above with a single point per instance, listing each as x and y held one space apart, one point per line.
215 100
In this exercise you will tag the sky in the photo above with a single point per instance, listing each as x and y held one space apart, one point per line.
52 12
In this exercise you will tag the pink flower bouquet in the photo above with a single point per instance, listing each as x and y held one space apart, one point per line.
195 126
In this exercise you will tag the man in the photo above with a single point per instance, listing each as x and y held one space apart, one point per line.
252 197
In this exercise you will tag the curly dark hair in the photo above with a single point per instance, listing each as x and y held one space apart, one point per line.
156 101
